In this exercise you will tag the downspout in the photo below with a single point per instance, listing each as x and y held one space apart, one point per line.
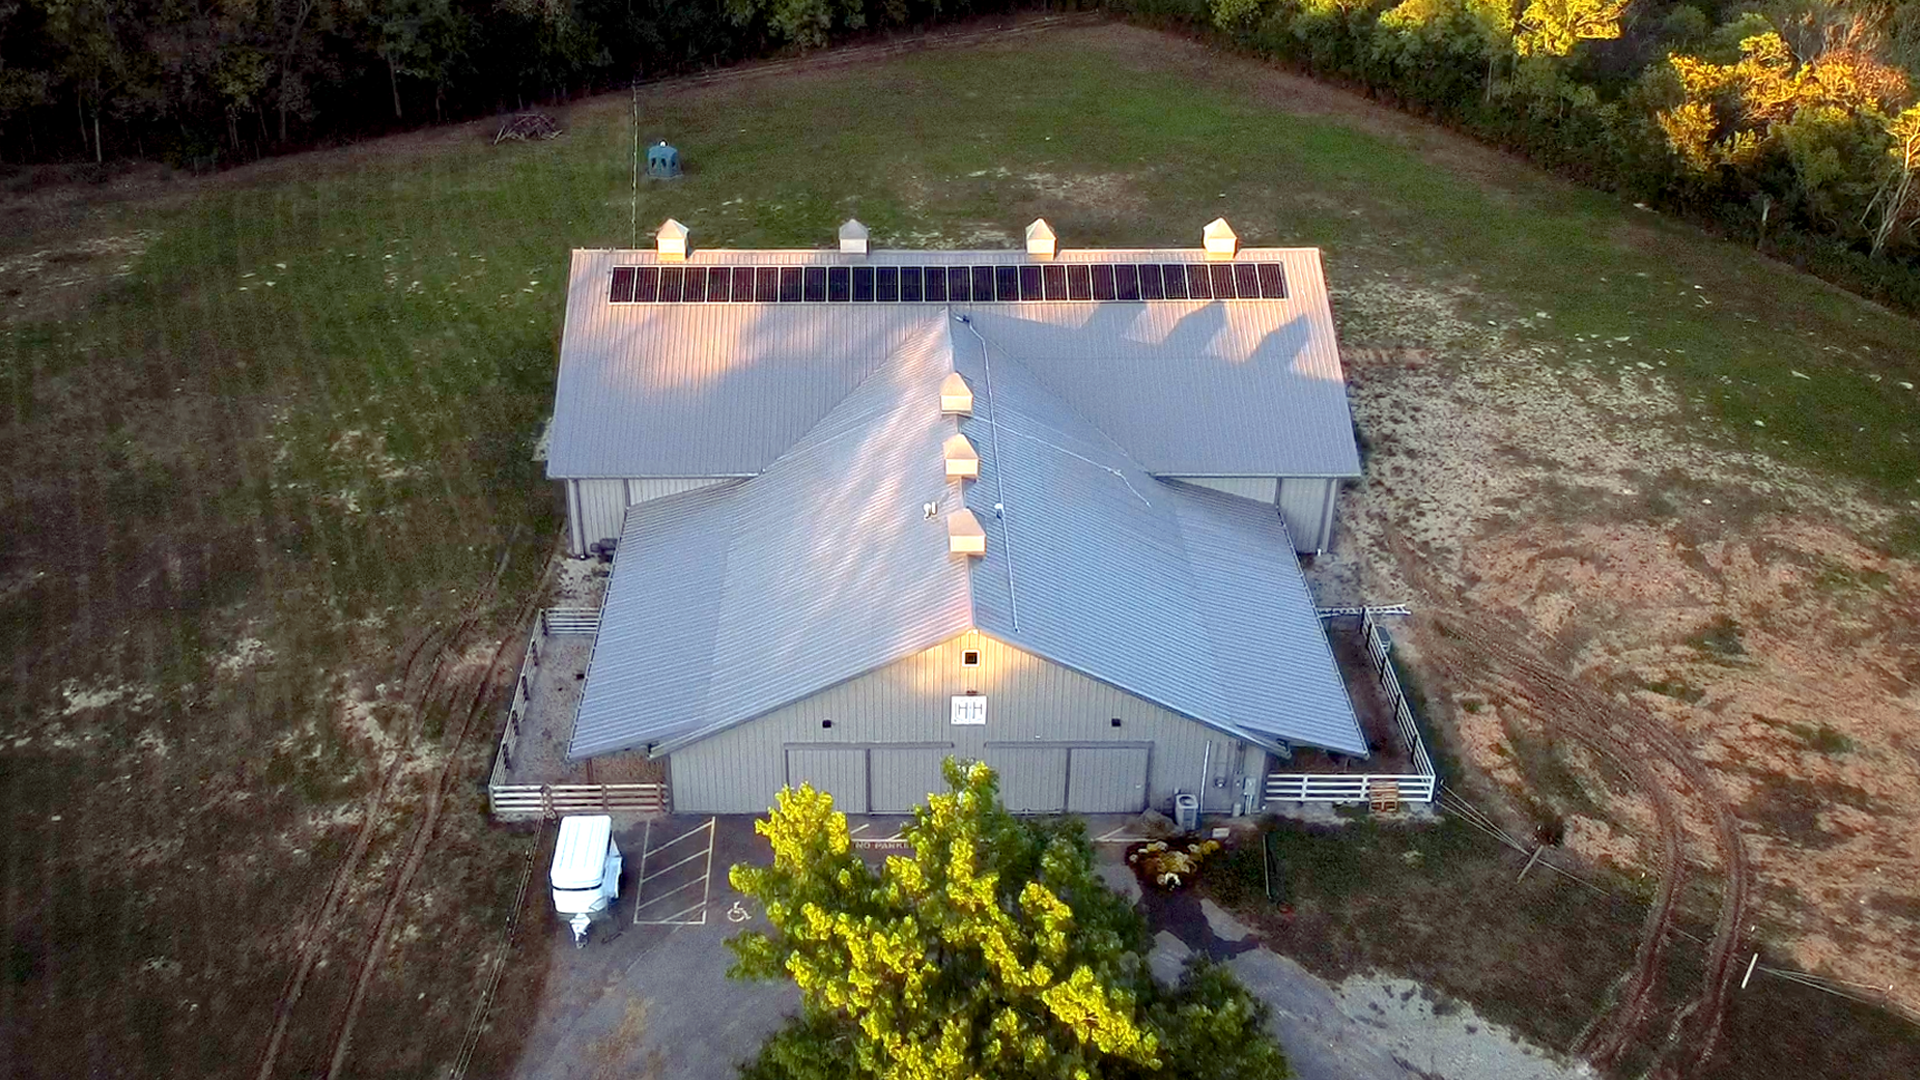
1206 769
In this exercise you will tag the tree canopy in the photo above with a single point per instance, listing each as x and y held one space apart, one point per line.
993 950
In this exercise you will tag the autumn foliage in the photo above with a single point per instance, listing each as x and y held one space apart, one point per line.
992 950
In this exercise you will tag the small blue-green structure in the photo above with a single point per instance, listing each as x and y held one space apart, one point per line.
663 161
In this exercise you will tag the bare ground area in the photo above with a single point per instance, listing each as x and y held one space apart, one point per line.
1562 520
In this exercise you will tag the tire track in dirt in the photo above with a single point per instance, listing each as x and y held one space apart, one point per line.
1624 734
343 877
342 1041
1587 717
1621 732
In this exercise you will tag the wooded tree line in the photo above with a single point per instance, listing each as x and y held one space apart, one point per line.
1791 124
200 81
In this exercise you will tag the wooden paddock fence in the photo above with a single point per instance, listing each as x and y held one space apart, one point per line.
1419 786
528 802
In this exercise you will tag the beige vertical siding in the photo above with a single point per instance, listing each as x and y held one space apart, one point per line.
602 506
1257 488
907 705
598 506
640 489
1306 503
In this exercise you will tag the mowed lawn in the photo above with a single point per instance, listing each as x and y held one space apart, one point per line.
270 506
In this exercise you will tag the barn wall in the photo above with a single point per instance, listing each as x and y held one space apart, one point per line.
1306 504
1034 709
1257 488
602 508
597 508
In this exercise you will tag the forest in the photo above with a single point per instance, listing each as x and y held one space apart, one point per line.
1788 124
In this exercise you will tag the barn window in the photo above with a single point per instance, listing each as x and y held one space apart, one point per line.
970 658
1116 721
826 723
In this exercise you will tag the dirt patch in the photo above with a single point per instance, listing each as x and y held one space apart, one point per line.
50 283
1587 505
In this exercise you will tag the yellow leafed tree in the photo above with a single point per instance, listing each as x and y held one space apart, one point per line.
992 950
1732 114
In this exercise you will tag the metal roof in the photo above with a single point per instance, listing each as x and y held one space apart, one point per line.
1178 595
1187 388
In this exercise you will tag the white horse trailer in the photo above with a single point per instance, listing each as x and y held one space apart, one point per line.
586 871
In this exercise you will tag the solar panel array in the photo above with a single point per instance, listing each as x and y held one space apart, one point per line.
1120 282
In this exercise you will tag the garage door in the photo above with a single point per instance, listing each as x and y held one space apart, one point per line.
1033 779
902 777
1108 780
838 771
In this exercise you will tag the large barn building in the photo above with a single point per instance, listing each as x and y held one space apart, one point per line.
875 509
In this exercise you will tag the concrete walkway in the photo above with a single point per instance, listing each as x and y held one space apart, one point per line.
1365 1028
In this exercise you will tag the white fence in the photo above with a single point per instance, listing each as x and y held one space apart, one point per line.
562 620
1347 787
526 802
1418 786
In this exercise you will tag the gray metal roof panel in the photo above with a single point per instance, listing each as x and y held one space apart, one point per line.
1183 598
1179 595
1188 388
721 597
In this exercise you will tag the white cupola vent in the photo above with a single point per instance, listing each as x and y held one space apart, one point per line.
1219 239
963 461
1041 243
964 534
671 241
956 398
853 238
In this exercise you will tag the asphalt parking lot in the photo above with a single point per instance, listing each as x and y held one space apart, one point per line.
661 949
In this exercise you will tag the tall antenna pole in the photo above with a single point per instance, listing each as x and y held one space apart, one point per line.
633 219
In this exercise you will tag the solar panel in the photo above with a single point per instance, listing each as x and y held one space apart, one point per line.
1123 282
1273 282
1102 282
646 284
1007 282
1030 283
1079 282
1055 277
1246 280
1150 282
1176 279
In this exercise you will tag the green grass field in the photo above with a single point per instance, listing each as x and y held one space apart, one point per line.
251 478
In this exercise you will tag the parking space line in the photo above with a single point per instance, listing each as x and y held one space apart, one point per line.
675 866
684 835
694 914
